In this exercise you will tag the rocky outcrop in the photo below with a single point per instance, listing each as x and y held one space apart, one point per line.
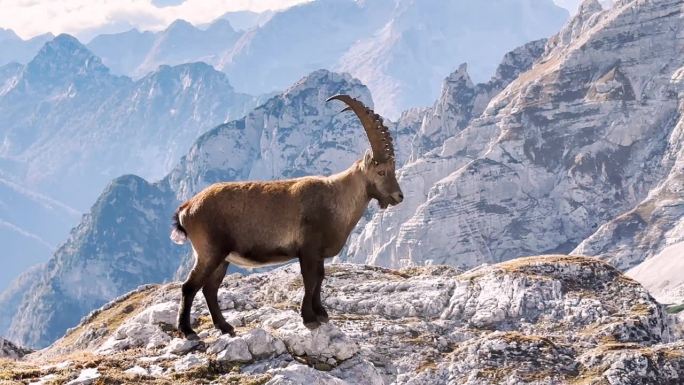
537 320
10 350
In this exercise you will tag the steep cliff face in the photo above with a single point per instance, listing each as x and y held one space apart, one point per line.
655 224
537 320
578 139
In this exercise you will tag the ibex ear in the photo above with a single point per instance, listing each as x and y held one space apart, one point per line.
367 159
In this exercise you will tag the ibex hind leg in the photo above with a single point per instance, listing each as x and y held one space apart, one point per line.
210 291
197 278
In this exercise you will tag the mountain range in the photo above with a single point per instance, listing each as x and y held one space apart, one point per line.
76 116
69 127
572 146
401 49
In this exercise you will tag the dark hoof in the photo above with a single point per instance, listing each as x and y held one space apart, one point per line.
312 325
323 318
226 329
192 337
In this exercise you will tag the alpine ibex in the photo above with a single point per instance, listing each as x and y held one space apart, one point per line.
254 224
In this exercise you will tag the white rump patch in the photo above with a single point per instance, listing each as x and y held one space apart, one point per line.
178 237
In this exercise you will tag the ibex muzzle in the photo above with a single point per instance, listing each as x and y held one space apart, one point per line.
260 223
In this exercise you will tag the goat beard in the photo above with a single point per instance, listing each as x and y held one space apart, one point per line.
383 204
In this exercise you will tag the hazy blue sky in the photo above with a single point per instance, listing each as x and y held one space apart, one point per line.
85 18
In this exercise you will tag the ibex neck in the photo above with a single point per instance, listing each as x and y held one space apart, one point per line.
352 193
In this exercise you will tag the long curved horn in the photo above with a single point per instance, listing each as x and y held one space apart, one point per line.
378 134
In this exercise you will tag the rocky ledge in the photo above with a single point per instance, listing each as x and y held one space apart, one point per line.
10 350
536 320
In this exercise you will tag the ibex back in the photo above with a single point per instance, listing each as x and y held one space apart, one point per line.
255 224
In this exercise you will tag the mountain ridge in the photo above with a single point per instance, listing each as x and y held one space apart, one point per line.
354 37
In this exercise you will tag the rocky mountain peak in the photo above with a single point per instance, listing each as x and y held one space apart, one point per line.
65 55
315 79
65 62
87 269
179 26
461 100
588 15
292 134
458 79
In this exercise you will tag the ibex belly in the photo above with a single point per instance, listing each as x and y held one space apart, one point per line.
253 261
265 247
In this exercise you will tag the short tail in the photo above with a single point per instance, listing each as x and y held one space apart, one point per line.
178 233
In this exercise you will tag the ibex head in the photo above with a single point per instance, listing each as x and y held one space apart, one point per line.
378 165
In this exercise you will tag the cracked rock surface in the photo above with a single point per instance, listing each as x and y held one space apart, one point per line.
539 320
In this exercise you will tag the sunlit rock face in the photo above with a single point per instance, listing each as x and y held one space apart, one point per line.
538 320
652 230
582 137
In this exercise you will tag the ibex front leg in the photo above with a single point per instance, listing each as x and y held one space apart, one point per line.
321 314
309 266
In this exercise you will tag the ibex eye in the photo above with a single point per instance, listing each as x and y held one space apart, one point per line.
381 173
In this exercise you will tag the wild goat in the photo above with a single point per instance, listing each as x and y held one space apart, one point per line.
254 224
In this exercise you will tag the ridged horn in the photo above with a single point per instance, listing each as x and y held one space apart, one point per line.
378 134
